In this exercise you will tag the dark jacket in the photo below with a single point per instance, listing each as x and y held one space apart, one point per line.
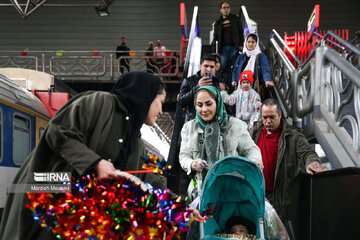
263 68
294 155
223 78
122 48
82 132
187 93
237 32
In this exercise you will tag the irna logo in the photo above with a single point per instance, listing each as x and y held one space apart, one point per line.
52 176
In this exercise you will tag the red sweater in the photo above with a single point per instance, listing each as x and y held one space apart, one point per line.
269 144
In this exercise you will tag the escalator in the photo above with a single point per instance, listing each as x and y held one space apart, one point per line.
179 180
321 95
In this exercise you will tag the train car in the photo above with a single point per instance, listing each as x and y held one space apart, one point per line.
23 118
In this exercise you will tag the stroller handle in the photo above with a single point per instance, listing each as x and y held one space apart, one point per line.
199 186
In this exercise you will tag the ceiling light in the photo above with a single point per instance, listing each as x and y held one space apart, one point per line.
102 11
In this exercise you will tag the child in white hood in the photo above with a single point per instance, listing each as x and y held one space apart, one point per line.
247 100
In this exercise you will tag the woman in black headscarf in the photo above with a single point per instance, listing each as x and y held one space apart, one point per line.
94 132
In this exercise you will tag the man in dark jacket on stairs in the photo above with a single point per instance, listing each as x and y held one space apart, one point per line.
191 84
228 35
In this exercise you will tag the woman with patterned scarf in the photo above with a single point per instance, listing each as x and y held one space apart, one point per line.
212 135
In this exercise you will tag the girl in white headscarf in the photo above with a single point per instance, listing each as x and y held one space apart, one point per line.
247 61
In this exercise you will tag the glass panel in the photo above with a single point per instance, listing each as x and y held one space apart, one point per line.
21 139
21 122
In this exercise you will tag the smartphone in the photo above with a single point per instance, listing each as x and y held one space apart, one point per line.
207 74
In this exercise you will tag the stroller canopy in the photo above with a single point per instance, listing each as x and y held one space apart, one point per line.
235 185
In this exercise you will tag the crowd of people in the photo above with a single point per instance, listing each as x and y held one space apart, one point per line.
156 61
238 75
227 112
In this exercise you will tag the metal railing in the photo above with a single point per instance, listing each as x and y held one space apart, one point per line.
29 62
322 96
90 65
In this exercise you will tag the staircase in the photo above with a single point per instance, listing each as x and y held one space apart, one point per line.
321 95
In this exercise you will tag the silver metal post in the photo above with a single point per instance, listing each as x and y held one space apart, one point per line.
43 62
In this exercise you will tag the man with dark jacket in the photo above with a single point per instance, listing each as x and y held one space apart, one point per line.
123 50
284 150
191 84
229 35
150 64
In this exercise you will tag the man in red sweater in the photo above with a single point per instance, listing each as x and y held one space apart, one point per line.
284 151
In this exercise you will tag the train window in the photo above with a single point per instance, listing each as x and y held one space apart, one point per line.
21 139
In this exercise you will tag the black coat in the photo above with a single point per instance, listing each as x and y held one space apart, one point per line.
237 32
122 48
91 126
187 93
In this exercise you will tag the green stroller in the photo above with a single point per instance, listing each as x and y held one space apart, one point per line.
235 186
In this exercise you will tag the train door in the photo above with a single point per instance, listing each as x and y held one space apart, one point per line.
17 142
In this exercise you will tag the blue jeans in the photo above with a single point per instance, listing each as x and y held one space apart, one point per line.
227 52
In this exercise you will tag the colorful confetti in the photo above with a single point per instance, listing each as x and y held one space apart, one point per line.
208 212
156 164
116 209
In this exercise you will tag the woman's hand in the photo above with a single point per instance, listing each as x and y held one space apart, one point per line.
198 165
222 86
195 214
269 83
105 170
259 163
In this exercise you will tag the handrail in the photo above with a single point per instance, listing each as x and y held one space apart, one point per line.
309 105
348 69
338 38
247 20
322 96
91 65
284 45
284 58
329 33
357 36
327 40
248 26
195 28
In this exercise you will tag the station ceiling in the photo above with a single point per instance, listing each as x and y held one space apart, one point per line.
28 7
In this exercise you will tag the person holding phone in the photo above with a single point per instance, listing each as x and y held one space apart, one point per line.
204 77
208 75
213 135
